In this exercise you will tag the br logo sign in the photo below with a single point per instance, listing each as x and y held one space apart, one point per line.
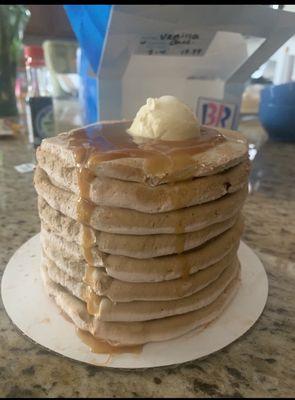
216 113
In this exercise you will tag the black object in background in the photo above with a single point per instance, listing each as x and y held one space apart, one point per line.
40 118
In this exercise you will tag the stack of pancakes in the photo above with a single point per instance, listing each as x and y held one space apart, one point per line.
134 254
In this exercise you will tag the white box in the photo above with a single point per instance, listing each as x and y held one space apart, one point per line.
189 51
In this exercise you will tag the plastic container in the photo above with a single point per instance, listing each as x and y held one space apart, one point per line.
38 79
87 89
60 58
39 104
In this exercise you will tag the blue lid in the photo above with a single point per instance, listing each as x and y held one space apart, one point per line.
90 25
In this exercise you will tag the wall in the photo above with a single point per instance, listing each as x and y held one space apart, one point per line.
47 22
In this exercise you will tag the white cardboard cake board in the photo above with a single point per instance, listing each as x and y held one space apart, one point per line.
36 315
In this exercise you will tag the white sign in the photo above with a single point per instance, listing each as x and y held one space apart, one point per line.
214 112
174 43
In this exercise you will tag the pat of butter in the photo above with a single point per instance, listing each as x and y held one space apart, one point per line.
165 118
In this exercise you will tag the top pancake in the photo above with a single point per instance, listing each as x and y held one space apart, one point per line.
139 196
131 165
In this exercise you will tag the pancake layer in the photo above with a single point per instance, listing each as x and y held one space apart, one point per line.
140 241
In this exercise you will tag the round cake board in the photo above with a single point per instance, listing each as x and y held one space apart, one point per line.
37 316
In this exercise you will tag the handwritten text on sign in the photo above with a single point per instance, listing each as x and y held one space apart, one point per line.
216 113
174 43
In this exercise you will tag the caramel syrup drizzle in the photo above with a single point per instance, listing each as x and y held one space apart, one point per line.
110 141
103 347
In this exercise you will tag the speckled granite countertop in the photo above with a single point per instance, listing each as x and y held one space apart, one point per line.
261 363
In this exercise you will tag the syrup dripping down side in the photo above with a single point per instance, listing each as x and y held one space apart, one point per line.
85 209
101 143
